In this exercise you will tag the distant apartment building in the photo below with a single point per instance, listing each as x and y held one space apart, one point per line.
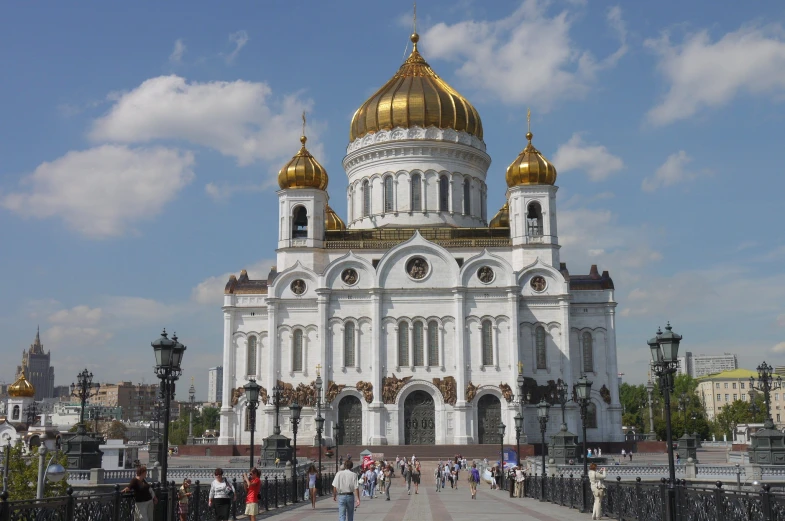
215 379
699 366
138 401
721 389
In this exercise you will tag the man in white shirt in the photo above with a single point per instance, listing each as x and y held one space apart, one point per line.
344 487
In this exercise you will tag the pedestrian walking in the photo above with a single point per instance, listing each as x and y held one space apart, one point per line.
221 494
519 477
252 485
388 474
345 492
183 493
416 477
597 482
438 475
144 495
313 475
407 475
474 480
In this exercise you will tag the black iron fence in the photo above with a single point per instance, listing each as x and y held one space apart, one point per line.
651 501
114 506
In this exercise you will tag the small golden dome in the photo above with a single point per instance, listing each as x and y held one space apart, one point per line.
530 168
333 221
415 97
21 388
502 218
303 171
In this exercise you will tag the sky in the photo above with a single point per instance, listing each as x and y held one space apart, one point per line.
139 144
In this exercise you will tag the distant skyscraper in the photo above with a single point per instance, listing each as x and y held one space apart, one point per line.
38 370
703 365
215 378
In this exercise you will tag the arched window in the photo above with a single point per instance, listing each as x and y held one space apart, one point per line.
444 194
433 343
534 220
15 413
416 193
403 344
251 358
348 344
467 197
388 194
588 353
300 223
297 350
366 198
483 211
540 348
419 348
487 342
591 416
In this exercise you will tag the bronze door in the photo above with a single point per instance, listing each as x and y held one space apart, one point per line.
350 415
489 416
419 419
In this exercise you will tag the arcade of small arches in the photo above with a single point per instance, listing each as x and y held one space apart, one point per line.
428 191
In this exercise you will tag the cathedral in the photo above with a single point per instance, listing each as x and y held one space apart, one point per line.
417 312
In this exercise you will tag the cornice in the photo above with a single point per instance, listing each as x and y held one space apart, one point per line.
416 133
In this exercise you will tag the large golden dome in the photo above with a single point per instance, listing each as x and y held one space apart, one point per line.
415 97
530 168
303 171
21 388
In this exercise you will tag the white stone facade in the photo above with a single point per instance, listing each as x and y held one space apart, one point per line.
466 313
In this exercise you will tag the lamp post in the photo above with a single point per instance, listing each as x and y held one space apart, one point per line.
337 432
766 383
295 409
502 428
191 402
252 396
84 390
561 397
649 392
583 393
683 403
523 399
664 348
518 428
542 414
168 359
319 420
766 445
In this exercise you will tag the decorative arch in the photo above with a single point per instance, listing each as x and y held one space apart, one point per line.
587 352
366 189
415 202
503 272
422 385
444 193
281 285
299 222
467 196
419 246
389 194
332 272
251 354
298 349
534 223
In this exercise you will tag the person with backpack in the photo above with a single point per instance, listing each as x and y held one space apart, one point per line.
474 480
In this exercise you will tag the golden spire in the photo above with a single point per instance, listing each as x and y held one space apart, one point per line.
529 119
303 133
303 170
318 369
415 36
530 167
520 367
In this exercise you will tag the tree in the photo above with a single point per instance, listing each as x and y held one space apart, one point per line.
211 417
114 430
23 474
738 412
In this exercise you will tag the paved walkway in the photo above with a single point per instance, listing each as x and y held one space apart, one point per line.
447 505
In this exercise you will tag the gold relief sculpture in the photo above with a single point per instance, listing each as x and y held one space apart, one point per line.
367 389
448 388
605 393
263 395
471 392
506 392
391 386
332 391
236 394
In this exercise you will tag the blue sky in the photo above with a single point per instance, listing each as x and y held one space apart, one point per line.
139 144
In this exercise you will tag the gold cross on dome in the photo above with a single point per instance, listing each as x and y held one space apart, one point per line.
415 18
520 367
318 368
528 120
303 123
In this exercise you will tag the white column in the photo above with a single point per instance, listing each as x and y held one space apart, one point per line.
496 345
357 350
321 304
376 408
514 354
271 377
441 347
227 414
461 408
411 346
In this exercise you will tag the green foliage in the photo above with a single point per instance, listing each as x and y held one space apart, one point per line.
739 412
115 430
207 419
23 474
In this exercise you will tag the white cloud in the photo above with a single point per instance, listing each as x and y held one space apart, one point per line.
595 160
60 335
779 348
177 52
706 74
239 39
82 315
103 191
527 57
781 320
222 192
211 290
125 311
673 171
238 118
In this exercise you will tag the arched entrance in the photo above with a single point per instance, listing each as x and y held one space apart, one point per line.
350 415
419 419
489 416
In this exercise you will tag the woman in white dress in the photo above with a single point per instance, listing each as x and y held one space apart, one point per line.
597 482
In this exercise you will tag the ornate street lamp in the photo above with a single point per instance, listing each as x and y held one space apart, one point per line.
191 402
523 398
168 360
583 393
542 414
664 348
337 432
319 420
252 396
767 444
561 397
295 409
518 427
766 383
502 428
84 390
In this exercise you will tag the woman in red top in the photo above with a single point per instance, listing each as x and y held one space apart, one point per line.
252 485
